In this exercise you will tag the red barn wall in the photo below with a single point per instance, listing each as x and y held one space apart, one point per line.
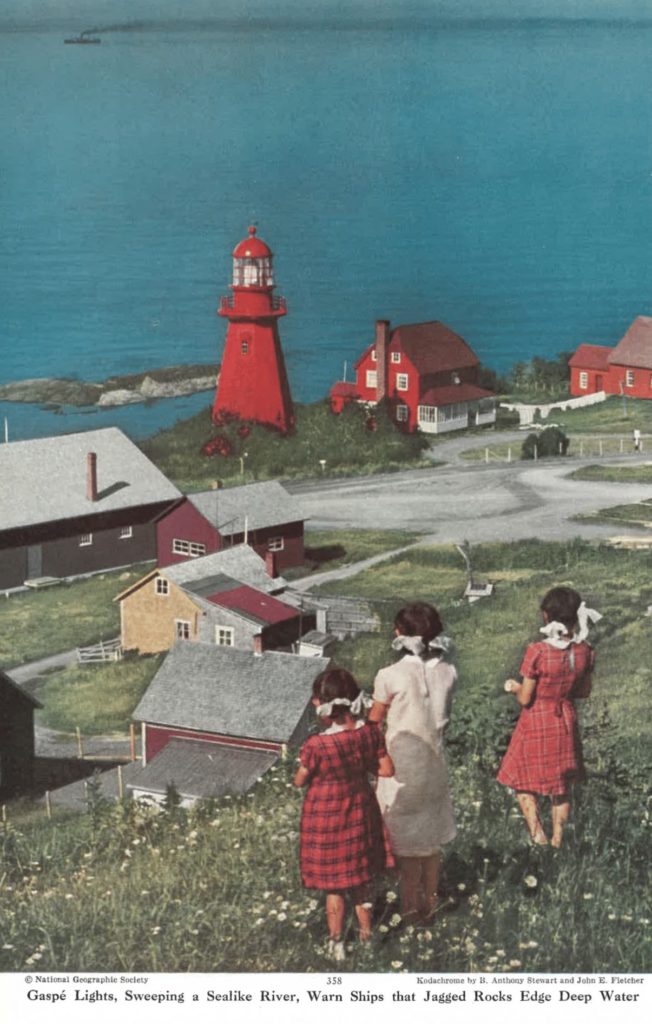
158 736
184 522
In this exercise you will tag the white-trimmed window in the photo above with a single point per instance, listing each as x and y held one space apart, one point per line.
182 629
275 544
244 347
85 540
189 548
374 355
402 381
396 357
651 382
372 379
402 413
126 532
427 414
629 378
584 379
161 586
224 636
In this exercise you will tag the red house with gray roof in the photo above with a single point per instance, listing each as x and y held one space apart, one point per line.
238 700
427 373
623 370
263 515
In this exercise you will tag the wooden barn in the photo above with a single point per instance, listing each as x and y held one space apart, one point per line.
241 705
77 504
427 374
16 737
226 599
263 515
623 370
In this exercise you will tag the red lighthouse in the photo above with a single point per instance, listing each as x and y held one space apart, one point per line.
253 383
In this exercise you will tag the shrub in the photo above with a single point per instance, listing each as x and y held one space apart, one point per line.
551 441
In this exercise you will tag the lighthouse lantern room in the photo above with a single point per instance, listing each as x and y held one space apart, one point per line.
253 384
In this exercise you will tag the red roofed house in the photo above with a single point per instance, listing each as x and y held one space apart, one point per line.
216 599
428 374
623 370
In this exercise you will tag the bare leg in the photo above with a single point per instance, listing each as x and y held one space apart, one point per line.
530 811
430 870
560 815
363 914
410 879
335 907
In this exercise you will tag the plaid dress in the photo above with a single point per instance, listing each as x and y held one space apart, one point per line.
341 829
545 754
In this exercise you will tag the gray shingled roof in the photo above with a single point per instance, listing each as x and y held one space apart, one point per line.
264 504
234 693
200 769
44 480
241 563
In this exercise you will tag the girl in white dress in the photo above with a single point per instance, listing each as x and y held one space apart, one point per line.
414 697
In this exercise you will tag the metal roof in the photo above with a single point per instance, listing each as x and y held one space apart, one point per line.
263 505
253 605
209 688
44 480
452 393
201 769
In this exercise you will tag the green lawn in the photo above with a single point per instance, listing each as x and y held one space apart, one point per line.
99 699
637 514
343 443
35 624
615 474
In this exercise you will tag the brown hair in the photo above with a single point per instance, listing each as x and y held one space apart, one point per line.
332 683
419 619
560 605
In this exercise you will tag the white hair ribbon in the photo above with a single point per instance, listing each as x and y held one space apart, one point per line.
416 645
556 633
362 701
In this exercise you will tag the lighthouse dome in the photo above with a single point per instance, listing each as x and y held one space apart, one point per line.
252 247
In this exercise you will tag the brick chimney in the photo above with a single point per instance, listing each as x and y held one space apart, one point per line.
270 564
91 476
258 644
382 345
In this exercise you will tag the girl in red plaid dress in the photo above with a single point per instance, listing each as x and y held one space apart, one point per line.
341 846
544 755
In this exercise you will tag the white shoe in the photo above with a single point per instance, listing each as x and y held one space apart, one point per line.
336 950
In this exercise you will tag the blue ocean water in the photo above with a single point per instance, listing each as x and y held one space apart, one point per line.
499 179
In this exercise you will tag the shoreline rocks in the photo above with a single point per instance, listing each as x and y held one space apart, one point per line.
169 382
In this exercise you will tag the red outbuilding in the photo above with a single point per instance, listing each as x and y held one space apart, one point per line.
428 374
263 515
253 384
623 370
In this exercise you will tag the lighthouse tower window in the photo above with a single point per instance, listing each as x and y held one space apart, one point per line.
244 346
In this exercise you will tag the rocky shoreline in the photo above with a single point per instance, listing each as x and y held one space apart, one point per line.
166 382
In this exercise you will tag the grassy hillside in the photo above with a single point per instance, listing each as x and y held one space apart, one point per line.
218 889
343 443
